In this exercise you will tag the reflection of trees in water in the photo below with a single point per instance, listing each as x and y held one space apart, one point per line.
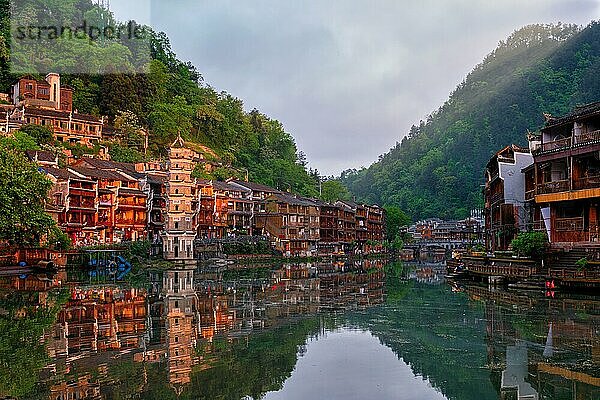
458 344
251 367
23 321
438 333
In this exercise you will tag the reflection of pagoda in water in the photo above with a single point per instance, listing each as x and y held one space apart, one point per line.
102 327
550 346
180 307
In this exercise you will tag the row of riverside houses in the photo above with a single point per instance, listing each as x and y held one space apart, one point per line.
203 209
553 186
98 201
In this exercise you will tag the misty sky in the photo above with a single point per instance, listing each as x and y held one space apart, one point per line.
346 77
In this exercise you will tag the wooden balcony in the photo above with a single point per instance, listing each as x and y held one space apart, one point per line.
574 275
569 224
553 187
132 203
555 145
539 226
529 194
588 137
588 182
496 198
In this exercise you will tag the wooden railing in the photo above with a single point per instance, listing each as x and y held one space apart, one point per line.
569 224
496 197
587 137
530 194
556 144
582 275
539 226
588 182
553 187
132 202
502 270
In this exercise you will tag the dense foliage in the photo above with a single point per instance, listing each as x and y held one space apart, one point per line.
440 334
23 220
395 218
170 97
437 169
530 244
333 189
22 354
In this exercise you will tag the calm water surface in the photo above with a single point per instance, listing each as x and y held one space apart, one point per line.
362 330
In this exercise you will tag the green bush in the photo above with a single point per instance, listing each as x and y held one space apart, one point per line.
530 244
582 263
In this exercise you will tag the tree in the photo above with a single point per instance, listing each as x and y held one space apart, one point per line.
41 134
333 190
128 130
19 141
394 219
125 154
23 188
530 244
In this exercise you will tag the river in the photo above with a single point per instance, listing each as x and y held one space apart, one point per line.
359 330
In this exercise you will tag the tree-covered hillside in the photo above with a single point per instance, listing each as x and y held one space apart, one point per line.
171 97
437 169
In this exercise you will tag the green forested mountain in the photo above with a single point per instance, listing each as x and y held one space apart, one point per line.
171 97
437 169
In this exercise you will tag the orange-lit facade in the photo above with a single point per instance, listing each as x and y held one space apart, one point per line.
50 104
213 210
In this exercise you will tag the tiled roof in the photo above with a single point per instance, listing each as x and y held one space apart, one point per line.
291 199
132 191
156 178
256 186
106 164
40 155
584 111
61 173
96 173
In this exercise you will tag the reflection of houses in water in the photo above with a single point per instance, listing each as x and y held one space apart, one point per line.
100 319
234 309
513 376
101 327
31 282
432 275
81 388
346 285
570 370
180 307
95 326
294 290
